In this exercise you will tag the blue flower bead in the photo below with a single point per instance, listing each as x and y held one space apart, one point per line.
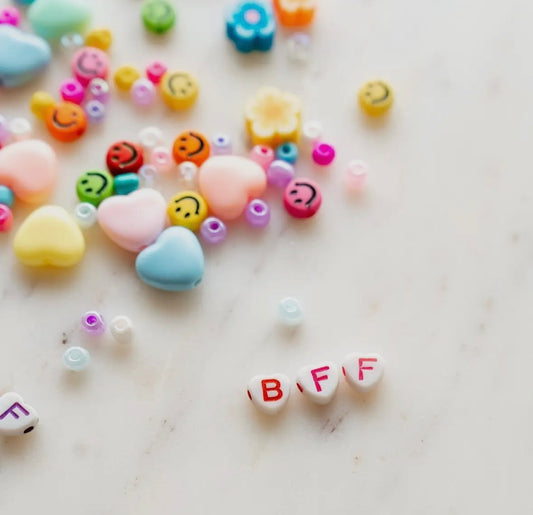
251 26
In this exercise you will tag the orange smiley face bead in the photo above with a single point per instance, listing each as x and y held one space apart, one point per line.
66 122
191 146
295 13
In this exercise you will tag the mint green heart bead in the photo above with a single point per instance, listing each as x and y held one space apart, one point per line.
126 183
52 19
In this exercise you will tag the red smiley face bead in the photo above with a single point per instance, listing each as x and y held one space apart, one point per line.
90 63
124 157
302 198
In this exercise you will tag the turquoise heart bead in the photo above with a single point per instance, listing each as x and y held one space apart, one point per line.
126 183
22 56
175 262
52 19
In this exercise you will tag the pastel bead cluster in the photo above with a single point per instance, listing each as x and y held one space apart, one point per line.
318 382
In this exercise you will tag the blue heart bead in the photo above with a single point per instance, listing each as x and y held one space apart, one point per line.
22 56
175 262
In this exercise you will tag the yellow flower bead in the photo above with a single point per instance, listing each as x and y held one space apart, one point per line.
40 103
99 38
125 76
375 97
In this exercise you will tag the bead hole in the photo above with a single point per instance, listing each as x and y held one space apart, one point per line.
214 226
92 320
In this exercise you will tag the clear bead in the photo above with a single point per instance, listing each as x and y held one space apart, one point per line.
95 111
298 46
356 175
20 129
72 41
312 132
187 171
121 329
161 158
85 214
147 173
150 137
76 359
290 311
221 145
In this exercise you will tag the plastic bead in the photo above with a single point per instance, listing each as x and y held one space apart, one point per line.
269 393
213 230
72 91
375 97
124 157
150 137
4 130
287 152
51 19
251 26
161 158
143 92
6 218
147 174
258 213
280 173
94 186
85 214
187 209
221 145
76 359
125 76
93 323
99 38
6 196
71 41
18 417
10 16
66 122
89 63
98 89
125 183
158 16
95 111
298 46
312 132
188 171
20 129
40 103
356 175
263 156
318 382
323 154
191 146
290 311
155 71
179 89
302 198
295 13
121 329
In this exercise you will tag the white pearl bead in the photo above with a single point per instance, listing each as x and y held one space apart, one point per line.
85 214
121 329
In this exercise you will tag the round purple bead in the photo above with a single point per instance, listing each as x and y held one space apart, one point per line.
280 173
258 213
213 230
98 89
95 111
221 145
143 92
93 323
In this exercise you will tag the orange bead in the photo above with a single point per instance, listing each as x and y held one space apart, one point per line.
295 13
66 122
191 146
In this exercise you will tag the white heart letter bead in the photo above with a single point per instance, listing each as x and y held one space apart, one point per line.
363 371
16 417
269 393
318 382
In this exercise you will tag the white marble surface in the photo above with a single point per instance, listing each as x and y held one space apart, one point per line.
431 268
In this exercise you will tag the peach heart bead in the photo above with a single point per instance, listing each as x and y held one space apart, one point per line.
133 221
229 183
29 168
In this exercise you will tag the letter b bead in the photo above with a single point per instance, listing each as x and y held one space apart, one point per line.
269 393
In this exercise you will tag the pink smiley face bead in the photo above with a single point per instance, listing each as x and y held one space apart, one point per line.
90 63
302 198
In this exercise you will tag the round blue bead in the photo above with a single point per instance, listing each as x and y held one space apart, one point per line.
287 152
6 196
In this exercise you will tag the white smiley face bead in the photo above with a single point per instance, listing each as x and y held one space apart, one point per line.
16 417
269 393
363 372
318 382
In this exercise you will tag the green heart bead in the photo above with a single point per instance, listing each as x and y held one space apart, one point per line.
126 183
158 16
94 186
52 19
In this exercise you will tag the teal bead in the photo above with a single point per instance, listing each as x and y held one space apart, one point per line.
6 196
126 183
52 19
175 262
287 152
76 359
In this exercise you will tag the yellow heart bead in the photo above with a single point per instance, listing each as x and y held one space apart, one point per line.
49 236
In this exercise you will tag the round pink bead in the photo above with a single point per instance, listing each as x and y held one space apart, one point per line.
143 92
89 63
356 174
323 154
6 218
71 90
98 89
10 16
155 71
161 158
262 155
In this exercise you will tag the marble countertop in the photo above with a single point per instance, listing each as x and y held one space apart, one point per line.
431 267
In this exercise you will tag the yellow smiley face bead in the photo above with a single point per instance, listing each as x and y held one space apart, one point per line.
188 209
125 76
179 89
375 97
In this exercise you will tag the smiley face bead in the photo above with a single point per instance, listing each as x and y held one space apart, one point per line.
375 97
188 209
124 157
94 186
179 89
158 16
191 146
89 63
302 198
66 122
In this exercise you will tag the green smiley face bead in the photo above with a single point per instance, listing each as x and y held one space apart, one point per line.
94 186
158 16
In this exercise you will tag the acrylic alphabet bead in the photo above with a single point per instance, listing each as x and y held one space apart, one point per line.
85 215
6 218
158 16
121 329
16 417
213 230
269 393
71 90
290 311
66 122
363 372
126 183
287 152
302 198
143 92
155 71
251 26
323 153
76 359
375 97
263 156
90 63
188 209
10 16
280 173
191 146
94 186
125 77
318 382
258 213
179 89
51 19
93 323
124 157
6 196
